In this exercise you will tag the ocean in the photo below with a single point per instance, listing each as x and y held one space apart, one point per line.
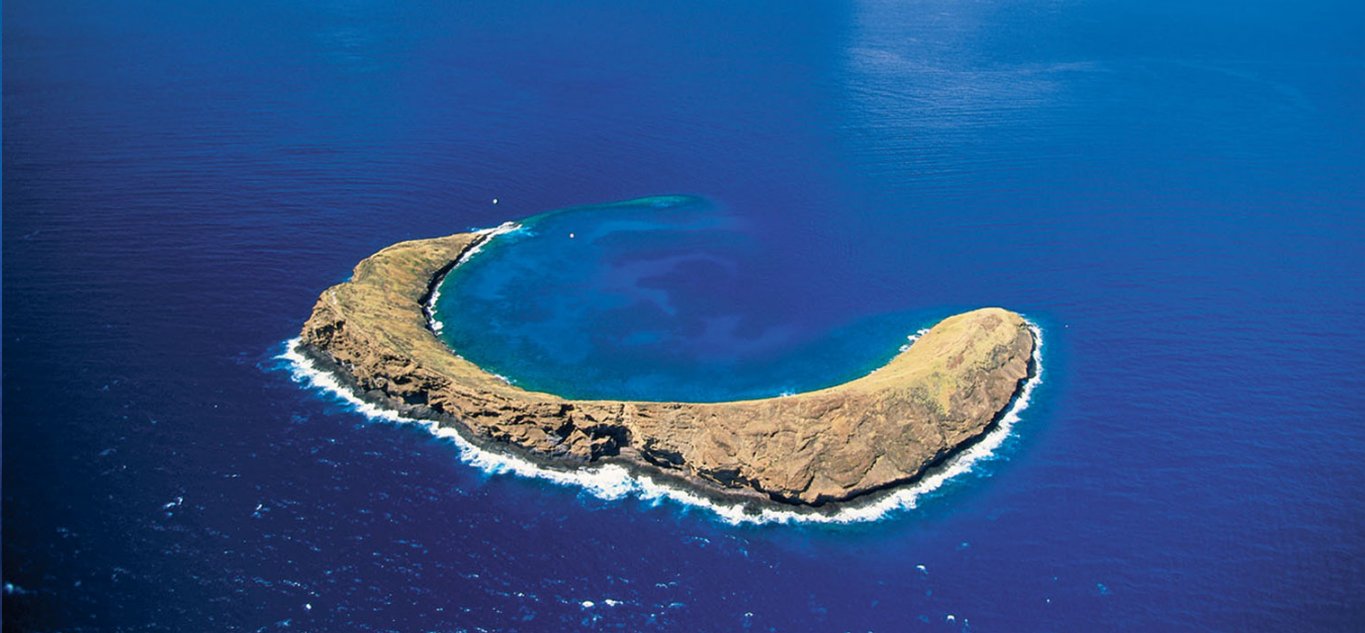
764 198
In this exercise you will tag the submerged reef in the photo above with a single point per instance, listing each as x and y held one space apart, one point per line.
816 448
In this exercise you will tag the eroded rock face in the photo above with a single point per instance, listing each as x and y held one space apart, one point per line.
830 445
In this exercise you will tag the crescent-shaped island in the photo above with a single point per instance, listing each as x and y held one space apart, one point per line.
828 446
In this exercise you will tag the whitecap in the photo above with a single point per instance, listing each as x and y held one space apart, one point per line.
910 340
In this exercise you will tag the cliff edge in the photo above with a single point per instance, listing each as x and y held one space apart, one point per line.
814 448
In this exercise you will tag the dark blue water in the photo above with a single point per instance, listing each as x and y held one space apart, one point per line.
1172 190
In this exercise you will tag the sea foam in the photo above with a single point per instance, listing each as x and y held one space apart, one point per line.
430 307
614 481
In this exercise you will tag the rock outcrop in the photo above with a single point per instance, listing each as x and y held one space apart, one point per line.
814 448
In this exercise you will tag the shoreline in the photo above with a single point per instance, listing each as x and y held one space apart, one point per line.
376 335
614 481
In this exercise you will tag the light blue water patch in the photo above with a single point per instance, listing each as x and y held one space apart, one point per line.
644 299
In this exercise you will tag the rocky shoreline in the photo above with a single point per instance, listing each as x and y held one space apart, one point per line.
815 449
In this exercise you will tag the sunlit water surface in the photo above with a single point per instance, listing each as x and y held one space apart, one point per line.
1171 190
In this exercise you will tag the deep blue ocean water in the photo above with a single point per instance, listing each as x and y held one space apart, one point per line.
1173 191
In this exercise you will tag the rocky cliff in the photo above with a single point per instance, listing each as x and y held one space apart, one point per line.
813 448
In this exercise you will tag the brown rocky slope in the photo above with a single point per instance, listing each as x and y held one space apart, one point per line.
830 445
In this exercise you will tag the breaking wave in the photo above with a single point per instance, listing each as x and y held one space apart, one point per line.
435 295
613 481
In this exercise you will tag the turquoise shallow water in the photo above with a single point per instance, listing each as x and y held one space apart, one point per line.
639 300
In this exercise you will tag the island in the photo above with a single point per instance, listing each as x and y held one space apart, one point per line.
820 448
